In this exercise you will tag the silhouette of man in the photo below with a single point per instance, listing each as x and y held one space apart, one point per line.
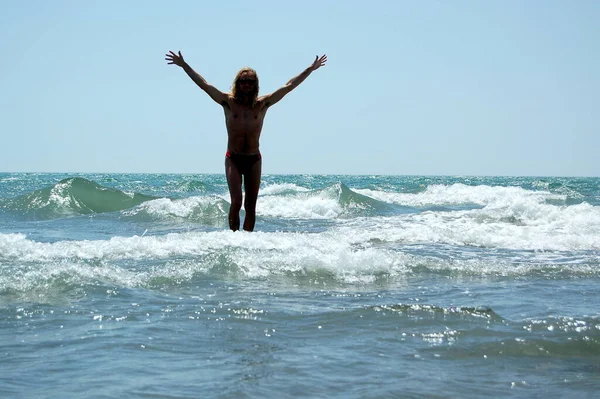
244 115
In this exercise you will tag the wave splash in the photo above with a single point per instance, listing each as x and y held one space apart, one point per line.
323 258
332 202
70 197
208 210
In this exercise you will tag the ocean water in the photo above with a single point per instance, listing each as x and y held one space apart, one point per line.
131 286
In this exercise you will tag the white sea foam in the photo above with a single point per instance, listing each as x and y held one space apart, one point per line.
19 247
356 250
311 246
190 207
56 196
459 193
522 225
37 269
321 205
277 200
252 254
274 189
294 202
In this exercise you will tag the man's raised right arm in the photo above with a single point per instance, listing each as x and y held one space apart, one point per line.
214 93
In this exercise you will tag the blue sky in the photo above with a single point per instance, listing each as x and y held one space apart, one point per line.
410 87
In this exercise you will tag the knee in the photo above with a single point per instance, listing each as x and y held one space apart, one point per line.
249 205
236 203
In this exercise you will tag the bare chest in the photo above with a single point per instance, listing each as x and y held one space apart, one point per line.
239 117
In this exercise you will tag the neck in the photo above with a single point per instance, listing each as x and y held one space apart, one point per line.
245 99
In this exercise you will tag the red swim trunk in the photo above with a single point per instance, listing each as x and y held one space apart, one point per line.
243 162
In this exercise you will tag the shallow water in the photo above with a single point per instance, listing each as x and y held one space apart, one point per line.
352 286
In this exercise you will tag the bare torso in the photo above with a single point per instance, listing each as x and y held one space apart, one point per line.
244 125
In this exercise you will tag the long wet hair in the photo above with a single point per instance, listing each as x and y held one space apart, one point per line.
234 88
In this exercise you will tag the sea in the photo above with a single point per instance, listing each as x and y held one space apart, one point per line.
133 286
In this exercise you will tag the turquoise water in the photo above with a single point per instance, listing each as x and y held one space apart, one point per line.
131 285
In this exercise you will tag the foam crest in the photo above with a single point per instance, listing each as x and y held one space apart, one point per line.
172 258
73 196
199 208
252 255
280 189
303 204
321 247
510 217
521 225
300 206
48 281
331 202
458 194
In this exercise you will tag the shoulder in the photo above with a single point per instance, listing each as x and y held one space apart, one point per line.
227 100
263 101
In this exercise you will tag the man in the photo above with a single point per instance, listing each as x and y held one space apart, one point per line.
244 115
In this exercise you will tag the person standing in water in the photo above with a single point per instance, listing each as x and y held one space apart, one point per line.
244 115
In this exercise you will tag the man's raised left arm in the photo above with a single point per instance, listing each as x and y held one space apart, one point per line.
278 94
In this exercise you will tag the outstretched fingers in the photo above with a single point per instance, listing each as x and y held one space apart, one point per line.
319 62
173 58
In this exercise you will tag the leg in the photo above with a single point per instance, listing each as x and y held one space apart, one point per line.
251 185
234 181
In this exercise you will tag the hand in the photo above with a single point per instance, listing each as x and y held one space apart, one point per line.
319 62
175 59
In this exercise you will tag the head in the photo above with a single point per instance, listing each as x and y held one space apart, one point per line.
245 85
